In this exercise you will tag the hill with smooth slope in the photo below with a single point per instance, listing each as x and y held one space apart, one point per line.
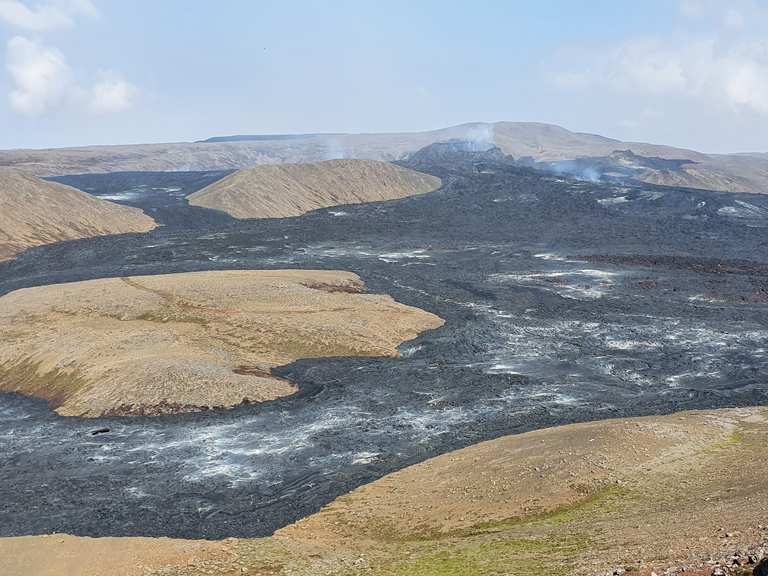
150 345
35 212
278 191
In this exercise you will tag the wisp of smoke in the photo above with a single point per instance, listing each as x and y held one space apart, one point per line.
576 170
334 149
479 137
589 174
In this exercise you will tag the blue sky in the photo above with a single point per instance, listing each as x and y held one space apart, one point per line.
691 73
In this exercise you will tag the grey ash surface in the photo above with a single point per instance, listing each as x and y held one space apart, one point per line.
564 301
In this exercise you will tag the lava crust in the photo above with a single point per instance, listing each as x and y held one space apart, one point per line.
538 332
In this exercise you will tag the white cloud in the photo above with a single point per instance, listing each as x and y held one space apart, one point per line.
112 94
645 65
43 82
732 16
722 72
716 60
42 17
41 77
747 85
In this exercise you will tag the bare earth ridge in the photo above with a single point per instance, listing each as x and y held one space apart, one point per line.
279 191
640 494
186 342
729 172
35 212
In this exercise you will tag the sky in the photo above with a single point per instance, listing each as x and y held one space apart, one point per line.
690 73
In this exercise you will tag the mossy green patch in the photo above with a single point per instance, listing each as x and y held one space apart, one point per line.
495 557
599 501
166 316
28 377
735 438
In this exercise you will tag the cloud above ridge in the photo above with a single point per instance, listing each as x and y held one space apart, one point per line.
42 80
112 94
40 75
704 72
732 74
43 17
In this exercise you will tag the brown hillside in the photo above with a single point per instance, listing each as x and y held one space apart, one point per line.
278 191
35 212
186 342
620 496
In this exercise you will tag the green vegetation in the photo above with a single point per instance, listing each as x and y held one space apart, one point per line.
29 378
599 501
495 557
170 315
735 438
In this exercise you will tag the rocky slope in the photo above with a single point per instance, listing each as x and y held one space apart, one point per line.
541 142
278 191
636 495
35 212
623 165
185 342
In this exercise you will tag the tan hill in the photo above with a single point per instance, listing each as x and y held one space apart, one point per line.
544 142
551 142
636 495
186 342
35 212
277 191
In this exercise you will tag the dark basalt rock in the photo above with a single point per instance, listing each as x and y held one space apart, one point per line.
455 156
564 301
619 166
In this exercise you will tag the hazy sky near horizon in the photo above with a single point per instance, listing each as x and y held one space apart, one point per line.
690 73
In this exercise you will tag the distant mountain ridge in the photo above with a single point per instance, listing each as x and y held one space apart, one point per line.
541 142
259 137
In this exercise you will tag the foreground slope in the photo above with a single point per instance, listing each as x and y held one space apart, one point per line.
35 212
639 494
185 342
278 191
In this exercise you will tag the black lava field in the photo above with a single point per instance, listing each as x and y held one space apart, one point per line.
564 301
